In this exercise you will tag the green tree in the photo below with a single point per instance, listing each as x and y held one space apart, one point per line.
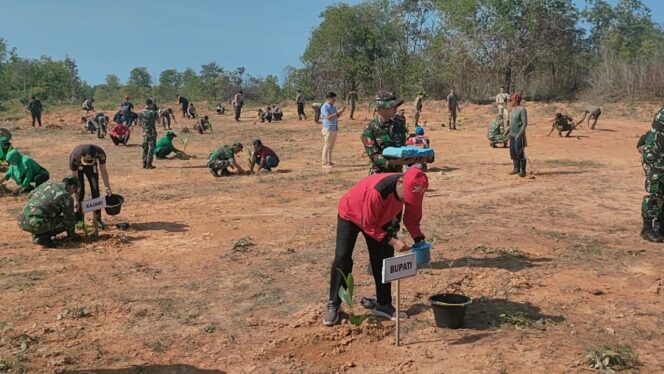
169 84
140 82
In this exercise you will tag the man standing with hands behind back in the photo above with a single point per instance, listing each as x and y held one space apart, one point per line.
373 207
330 117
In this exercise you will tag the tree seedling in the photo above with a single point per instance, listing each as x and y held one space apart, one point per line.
608 360
346 295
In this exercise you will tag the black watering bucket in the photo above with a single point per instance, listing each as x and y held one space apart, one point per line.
449 309
114 204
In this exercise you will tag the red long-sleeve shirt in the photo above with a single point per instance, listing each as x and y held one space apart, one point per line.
373 202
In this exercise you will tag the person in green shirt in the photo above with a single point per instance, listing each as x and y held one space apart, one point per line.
165 146
5 147
518 142
496 133
25 171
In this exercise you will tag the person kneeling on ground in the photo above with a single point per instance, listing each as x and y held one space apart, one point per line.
25 171
373 207
50 211
420 140
220 109
265 114
191 111
203 125
562 122
165 146
223 158
277 113
120 133
497 133
264 157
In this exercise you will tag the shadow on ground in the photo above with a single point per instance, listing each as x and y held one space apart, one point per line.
487 313
160 226
444 169
506 262
148 369
561 172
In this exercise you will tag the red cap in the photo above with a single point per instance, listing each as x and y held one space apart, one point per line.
516 97
415 183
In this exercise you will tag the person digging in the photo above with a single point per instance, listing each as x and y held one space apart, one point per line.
374 207
223 158
50 211
562 122
165 147
264 157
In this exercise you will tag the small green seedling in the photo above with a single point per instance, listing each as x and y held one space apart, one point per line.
346 295
87 229
184 140
608 360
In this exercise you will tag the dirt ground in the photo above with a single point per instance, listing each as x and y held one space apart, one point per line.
231 274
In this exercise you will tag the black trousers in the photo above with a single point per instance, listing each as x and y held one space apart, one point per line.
238 111
184 110
36 116
89 172
300 111
347 233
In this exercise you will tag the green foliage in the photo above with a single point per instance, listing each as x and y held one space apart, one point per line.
607 359
346 295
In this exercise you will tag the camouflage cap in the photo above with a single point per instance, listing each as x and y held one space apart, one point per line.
387 100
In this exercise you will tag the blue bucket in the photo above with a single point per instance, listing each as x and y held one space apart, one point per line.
422 252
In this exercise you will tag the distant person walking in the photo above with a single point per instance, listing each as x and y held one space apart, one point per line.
502 101
184 105
453 107
330 116
417 106
35 108
518 142
351 100
300 101
238 102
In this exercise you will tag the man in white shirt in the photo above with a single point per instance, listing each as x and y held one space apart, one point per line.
501 101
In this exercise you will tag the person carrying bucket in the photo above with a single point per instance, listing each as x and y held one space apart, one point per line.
373 207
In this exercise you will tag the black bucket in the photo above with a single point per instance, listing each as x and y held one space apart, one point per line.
114 204
449 309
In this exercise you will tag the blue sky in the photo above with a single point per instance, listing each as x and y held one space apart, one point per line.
111 37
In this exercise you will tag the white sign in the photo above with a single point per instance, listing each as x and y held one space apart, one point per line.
398 267
94 204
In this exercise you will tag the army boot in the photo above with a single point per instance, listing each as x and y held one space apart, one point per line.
648 233
522 168
516 167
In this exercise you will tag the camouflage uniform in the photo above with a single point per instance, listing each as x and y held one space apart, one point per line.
563 123
496 133
392 133
221 159
150 116
50 211
651 146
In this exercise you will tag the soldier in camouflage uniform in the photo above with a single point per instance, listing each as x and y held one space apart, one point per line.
562 122
50 211
651 146
497 133
386 130
150 116
223 158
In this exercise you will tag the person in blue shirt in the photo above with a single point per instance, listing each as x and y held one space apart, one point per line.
330 117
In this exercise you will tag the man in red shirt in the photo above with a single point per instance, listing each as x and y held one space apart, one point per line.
264 157
373 207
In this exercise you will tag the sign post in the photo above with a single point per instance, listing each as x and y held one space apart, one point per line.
394 269
97 203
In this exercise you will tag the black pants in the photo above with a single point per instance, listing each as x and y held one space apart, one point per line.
90 172
300 111
36 116
347 233
238 111
184 110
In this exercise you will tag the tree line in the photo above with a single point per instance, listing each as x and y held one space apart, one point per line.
545 49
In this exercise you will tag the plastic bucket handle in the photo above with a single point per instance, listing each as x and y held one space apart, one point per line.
446 304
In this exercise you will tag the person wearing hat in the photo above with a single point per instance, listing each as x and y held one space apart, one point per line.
264 157
165 146
150 115
517 135
35 108
374 207
223 158
25 171
5 147
496 133
330 117
88 161
651 146
417 106
420 140
50 211
386 130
